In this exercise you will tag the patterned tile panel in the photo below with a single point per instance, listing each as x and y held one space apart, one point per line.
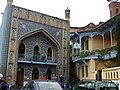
26 26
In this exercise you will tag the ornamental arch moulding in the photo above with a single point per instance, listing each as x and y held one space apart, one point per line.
45 33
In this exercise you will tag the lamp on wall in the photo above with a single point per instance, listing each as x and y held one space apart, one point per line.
19 69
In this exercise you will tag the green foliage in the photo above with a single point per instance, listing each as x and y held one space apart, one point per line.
118 39
110 63
100 53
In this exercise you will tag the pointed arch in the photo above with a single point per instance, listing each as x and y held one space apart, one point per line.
49 54
46 34
35 73
21 51
36 56
36 49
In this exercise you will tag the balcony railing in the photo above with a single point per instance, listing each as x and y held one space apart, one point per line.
104 54
42 58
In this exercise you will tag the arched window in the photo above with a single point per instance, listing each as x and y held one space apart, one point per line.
36 56
49 54
21 53
36 49
117 10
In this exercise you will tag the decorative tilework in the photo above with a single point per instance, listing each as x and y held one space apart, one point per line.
26 26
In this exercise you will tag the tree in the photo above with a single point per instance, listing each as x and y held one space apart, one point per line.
118 39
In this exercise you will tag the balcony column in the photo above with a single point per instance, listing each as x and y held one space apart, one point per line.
111 36
72 51
92 42
80 42
76 45
103 41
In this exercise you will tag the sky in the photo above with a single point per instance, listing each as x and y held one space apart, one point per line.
82 12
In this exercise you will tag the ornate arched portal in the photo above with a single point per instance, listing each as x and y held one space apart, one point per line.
39 40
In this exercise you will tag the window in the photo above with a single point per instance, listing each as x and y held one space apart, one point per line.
40 19
49 21
82 71
78 71
53 22
44 20
35 18
86 71
117 10
56 23
86 45
21 53
49 54
61 25
36 56
36 49
82 46
35 73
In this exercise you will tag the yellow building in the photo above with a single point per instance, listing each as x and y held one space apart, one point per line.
93 46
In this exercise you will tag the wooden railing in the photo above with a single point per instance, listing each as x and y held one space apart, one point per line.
111 73
36 58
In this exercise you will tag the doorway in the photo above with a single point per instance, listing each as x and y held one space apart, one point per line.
35 73
48 74
20 76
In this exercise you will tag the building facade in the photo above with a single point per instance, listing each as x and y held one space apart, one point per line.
33 44
93 46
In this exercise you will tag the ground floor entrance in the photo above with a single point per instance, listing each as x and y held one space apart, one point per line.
33 72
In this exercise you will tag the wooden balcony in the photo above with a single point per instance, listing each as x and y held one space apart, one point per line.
103 54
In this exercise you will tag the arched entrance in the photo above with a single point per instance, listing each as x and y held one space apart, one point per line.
20 76
35 73
48 74
99 75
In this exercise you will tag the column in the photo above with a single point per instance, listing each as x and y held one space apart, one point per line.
76 46
80 42
72 51
111 36
103 41
92 42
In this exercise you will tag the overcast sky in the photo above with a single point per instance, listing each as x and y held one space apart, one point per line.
82 12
